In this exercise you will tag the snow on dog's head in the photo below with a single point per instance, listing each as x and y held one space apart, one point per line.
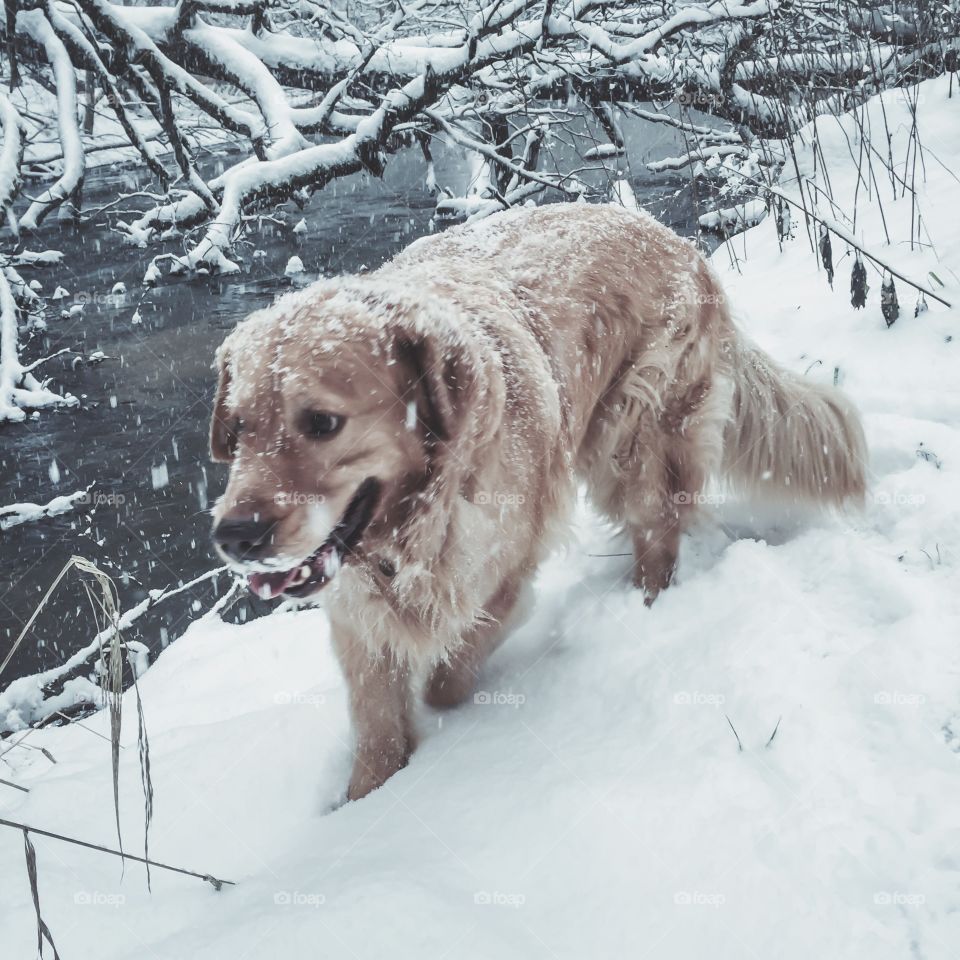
313 414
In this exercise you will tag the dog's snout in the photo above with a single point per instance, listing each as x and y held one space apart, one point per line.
245 538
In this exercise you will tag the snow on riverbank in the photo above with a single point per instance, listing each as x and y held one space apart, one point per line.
593 801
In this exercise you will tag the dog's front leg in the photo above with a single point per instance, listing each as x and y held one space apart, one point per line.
379 689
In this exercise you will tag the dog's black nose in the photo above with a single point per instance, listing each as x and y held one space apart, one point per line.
244 538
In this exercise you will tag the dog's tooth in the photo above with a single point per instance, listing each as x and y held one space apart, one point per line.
331 564
305 572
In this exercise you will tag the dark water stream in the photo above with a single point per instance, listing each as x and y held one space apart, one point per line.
138 438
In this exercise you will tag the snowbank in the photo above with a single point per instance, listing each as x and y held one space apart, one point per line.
594 801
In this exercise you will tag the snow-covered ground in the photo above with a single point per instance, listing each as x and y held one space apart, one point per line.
593 801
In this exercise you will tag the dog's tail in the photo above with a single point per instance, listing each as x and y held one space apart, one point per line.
789 437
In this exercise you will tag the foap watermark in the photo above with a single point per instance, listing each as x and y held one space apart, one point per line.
85 298
298 898
298 499
498 498
701 99
101 498
898 498
676 305
910 96
697 898
497 898
699 698
97 898
898 698
897 898
298 698
498 698
705 299
693 498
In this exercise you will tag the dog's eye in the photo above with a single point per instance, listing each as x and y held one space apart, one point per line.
322 426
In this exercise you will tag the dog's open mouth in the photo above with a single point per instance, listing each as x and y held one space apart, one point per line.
322 565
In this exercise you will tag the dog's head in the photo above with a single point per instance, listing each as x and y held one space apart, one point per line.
339 416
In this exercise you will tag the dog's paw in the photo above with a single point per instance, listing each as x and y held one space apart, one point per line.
448 687
373 767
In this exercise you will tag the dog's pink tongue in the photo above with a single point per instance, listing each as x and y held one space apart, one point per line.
270 585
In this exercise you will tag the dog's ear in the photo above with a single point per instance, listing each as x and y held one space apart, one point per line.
438 386
457 389
223 438
453 373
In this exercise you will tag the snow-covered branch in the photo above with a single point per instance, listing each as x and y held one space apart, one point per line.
17 513
700 155
67 187
19 389
11 158
315 95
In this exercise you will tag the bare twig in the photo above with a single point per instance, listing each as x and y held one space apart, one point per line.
737 735
214 881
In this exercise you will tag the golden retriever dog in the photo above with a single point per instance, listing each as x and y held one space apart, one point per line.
407 444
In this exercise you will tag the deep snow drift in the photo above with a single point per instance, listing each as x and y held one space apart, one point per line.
593 801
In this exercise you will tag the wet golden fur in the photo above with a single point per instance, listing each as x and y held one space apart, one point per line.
540 349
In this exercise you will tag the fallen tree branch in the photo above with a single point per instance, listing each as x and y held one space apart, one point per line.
15 514
11 160
19 390
215 882
555 183
834 226
764 65
67 188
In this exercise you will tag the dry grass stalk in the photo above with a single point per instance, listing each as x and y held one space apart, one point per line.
104 601
43 931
